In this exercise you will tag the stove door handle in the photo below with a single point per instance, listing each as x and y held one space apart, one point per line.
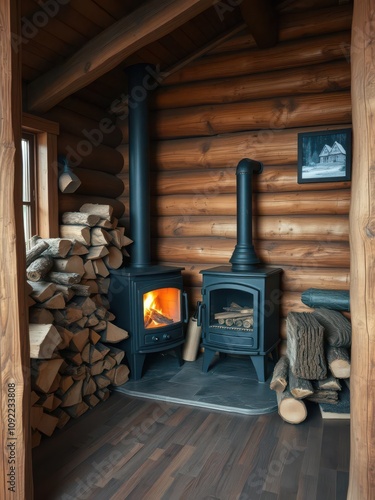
199 315
186 310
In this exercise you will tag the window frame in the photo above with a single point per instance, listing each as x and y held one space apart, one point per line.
46 170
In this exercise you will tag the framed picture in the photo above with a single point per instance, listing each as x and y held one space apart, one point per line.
324 156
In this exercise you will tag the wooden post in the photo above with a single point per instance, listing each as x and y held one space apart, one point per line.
362 272
15 443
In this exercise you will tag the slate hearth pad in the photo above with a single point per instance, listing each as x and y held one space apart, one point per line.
230 385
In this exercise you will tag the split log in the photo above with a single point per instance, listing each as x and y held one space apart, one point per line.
103 394
125 241
89 270
36 413
100 268
91 400
329 383
39 268
117 354
305 346
44 373
109 363
89 386
81 323
40 316
73 395
103 285
96 354
47 424
43 340
92 285
280 375
290 409
81 290
86 304
338 361
78 249
104 211
73 358
64 278
118 375
116 235
299 387
330 299
66 290
63 418
92 321
42 290
94 337
79 218
66 336
241 312
100 236
68 315
101 381
55 302
34 398
58 247
98 252
79 340
35 251
102 325
337 329
96 368
114 259
65 383
324 396
78 232
72 264
113 333
77 410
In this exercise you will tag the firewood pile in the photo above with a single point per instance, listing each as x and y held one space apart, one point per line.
71 328
236 315
317 358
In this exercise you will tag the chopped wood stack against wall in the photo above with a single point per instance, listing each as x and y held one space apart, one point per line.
236 102
71 330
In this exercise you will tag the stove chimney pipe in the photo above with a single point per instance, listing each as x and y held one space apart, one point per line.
139 170
244 257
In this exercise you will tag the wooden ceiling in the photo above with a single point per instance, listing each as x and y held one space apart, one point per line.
53 31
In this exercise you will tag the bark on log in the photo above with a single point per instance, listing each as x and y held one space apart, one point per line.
73 264
55 302
104 211
64 278
78 249
291 410
39 268
305 346
78 218
280 375
100 236
77 410
58 247
35 251
77 232
338 361
324 396
300 388
329 383
337 329
97 252
42 290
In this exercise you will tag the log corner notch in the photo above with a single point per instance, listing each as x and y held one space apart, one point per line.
362 255
262 20
151 21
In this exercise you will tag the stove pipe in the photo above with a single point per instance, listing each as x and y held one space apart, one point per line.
139 171
244 257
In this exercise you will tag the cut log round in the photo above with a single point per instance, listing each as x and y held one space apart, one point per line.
291 410
279 380
39 268
338 361
118 375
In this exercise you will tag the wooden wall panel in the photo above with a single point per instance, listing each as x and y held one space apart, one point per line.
239 103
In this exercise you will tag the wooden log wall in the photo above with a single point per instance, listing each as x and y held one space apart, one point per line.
89 137
241 102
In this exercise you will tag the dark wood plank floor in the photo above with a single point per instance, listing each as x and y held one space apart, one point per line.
136 449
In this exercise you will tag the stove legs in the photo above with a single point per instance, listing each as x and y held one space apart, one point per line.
260 365
136 365
208 356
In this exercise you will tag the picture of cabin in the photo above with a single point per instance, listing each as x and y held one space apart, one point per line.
186 283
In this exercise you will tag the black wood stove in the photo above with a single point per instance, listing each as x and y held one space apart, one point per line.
148 300
239 313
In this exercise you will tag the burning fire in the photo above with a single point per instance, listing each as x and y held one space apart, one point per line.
161 307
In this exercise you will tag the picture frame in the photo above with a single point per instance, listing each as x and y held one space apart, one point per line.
324 156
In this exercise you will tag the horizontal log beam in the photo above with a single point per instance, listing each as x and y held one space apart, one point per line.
322 228
272 147
96 183
277 253
306 80
146 24
284 112
335 202
262 20
284 55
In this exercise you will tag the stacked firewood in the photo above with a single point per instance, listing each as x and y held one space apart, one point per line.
236 315
71 328
317 358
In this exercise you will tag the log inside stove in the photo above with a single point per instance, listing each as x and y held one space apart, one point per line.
152 315
236 315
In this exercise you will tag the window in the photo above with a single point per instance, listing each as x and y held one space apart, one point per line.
40 193
28 186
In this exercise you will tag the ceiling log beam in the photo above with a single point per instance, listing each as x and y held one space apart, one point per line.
146 24
262 20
